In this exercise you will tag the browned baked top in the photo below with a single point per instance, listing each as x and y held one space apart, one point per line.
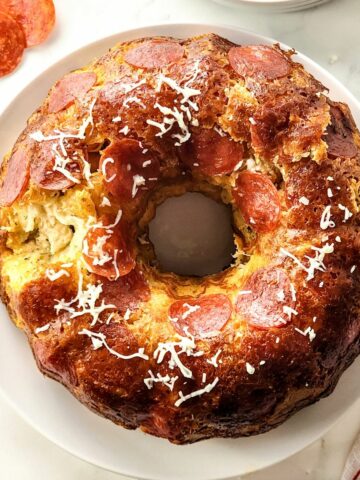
186 358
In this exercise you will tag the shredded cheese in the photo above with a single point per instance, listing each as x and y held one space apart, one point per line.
99 256
186 91
110 317
52 275
289 311
325 221
219 131
125 130
138 181
164 380
115 264
304 200
103 169
186 345
309 331
99 340
293 292
61 157
207 389
62 161
281 295
85 302
315 263
214 360
132 86
238 165
109 227
44 328
347 213
58 135
105 202
133 100
249 368
190 309
177 116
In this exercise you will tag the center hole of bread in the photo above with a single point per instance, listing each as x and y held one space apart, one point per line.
192 235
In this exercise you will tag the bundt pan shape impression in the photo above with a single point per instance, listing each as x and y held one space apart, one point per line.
186 358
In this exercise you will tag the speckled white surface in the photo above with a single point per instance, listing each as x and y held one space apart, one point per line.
331 36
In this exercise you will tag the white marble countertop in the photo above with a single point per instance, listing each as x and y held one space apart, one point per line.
331 36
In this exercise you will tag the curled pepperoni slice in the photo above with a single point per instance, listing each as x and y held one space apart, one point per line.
52 170
107 250
258 201
210 153
12 43
126 292
16 178
37 18
339 135
127 170
270 301
72 86
259 61
154 54
201 316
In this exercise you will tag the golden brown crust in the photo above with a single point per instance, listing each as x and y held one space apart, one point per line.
274 354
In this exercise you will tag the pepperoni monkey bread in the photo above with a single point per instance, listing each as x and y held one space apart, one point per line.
227 355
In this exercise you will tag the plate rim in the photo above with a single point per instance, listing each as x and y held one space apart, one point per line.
176 26
273 6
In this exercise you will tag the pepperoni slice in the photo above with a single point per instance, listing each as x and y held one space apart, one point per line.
37 300
339 135
210 153
106 249
270 292
37 18
43 167
16 178
258 61
54 360
127 170
258 200
126 292
12 44
72 86
201 316
154 54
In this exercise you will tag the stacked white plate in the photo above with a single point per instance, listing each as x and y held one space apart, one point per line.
275 6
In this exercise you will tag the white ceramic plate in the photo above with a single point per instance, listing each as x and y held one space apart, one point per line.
58 416
274 6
